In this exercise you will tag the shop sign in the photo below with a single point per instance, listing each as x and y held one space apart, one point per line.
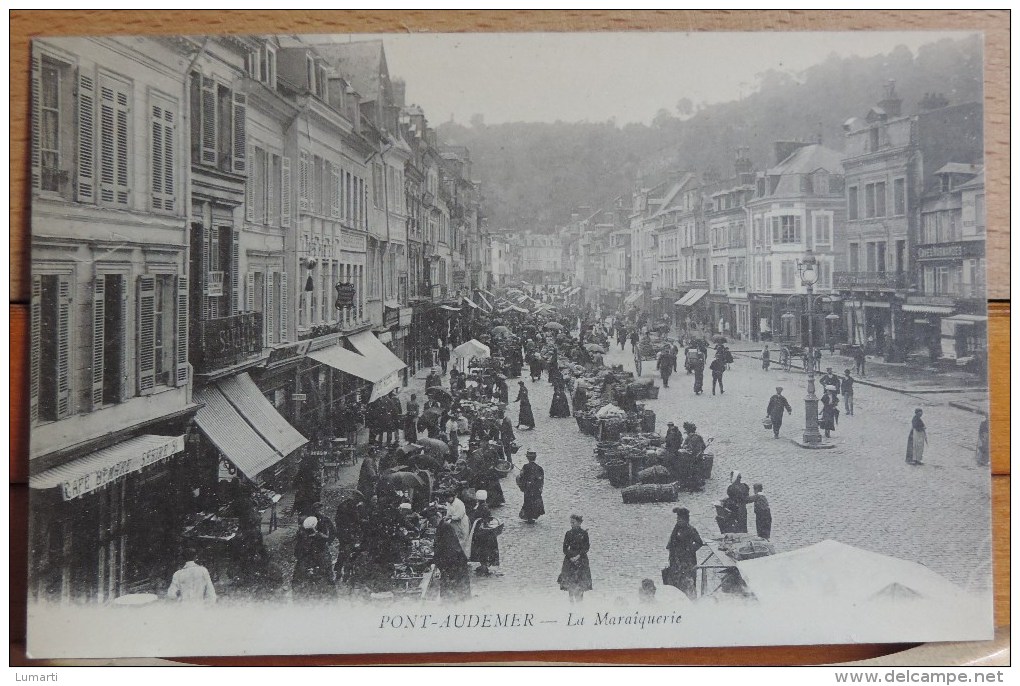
935 300
405 316
391 316
287 353
352 242
345 293
950 251
97 478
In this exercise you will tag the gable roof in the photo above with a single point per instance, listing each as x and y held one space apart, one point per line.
361 62
810 158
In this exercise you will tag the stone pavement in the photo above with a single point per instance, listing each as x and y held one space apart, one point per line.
862 492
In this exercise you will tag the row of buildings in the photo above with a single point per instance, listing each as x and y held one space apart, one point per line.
896 221
237 242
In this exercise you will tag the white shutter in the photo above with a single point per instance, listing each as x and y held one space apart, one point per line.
267 311
235 276
114 136
250 286
162 122
269 170
284 298
249 197
86 178
182 331
303 181
63 346
240 110
146 334
334 195
98 337
36 122
35 349
208 120
285 192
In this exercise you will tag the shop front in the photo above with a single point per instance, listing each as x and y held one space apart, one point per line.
692 310
107 524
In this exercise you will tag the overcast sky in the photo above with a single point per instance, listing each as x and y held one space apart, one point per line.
597 76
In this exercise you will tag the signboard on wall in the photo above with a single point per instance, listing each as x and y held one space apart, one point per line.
345 293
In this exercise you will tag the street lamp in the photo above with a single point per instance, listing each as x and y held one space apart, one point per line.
808 269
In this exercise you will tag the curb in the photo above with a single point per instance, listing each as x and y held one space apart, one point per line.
969 408
894 389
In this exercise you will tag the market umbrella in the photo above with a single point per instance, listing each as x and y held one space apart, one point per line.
719 339
434 445
434 391
553 325
595 348
501 331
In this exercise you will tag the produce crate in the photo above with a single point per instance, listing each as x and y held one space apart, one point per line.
652 393
618 472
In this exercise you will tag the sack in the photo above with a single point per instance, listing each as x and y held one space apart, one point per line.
767 422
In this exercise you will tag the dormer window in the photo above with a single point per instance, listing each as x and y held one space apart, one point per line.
261 65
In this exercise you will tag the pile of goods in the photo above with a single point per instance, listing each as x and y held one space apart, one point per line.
650 493
644 390
623 459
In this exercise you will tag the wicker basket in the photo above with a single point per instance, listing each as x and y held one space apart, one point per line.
503 468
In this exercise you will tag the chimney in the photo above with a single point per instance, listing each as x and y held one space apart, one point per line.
890 102
784 149
743 164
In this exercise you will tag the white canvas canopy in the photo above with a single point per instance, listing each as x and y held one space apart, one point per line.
472 348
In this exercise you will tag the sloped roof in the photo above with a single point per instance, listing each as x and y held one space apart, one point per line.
808 159
977 182
672 193
361 62
959 168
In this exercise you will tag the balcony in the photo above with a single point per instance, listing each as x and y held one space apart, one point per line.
869 281
225 342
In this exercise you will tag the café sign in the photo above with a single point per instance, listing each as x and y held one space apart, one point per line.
100 476
949 251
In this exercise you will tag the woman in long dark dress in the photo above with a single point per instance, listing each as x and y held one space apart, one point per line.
535 366
554 368
484 541
917 440
683 546
739 494
560 407
575 574
455 582
526 418
830 412
531 481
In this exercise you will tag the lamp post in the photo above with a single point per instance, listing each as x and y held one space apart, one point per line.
808 269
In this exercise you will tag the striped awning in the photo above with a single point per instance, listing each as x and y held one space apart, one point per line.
232 435
928 309
246 397
692 296
102 467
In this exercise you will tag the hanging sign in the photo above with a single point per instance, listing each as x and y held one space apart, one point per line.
344 295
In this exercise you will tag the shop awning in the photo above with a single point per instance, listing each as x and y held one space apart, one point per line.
692 296
471 302
928 309
632 298
485 300
449 308
232 435
246 397
967 319
372 362
97 469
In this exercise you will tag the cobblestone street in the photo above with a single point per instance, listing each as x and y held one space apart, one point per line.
861 492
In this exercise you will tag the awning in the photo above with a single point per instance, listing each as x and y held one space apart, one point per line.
392 304
246 397
518 309
928 309
632 298
471 302
967 319
472 348
485 300
449 308
372 362
692 296
102 467
232 435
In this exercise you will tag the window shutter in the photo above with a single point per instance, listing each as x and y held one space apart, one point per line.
250 286
249 198
285 192
797 228
282 278
125 366
35 352
113 143
146 334
98 335
86 138
208 121
303 181
156 125
267 310
182 331
239 136
235 277
269 172
334 196
36 122
63 346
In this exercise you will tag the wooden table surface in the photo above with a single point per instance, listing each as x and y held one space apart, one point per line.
994 24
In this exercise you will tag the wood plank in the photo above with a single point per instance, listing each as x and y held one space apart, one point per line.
994 24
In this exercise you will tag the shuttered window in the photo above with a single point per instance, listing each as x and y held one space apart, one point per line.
238 140
163 142
50 355
52 109
304 172
146 350
219 125
285 192
281 288
257 181
334 191
114 140
181 330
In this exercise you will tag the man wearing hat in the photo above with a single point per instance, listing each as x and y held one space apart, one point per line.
829 378
674 439
693 443
531 481
777 403
846 385
683 547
